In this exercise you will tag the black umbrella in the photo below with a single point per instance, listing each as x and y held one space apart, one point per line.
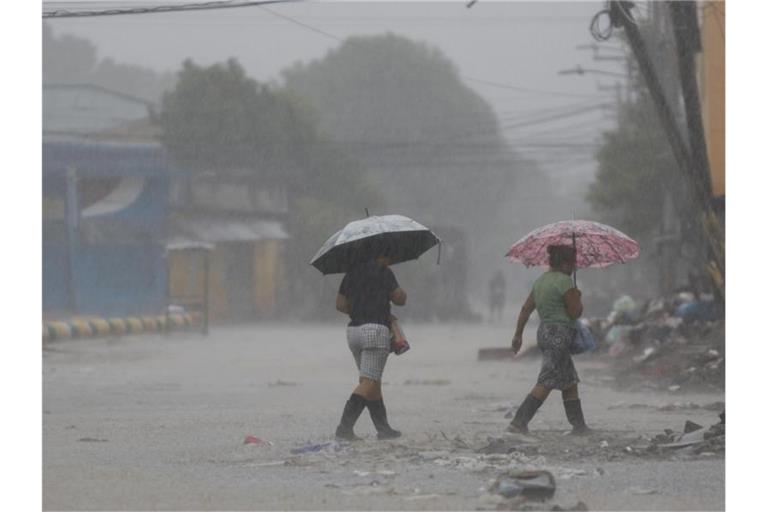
396 236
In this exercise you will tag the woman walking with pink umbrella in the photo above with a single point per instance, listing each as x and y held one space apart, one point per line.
563 246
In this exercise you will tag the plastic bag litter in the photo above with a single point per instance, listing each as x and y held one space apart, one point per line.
257 441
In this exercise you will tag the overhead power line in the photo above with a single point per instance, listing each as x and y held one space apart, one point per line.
302 24
66 13
526 89
158 9
465 77
545 119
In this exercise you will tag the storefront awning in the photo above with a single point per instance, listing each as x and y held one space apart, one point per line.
226 230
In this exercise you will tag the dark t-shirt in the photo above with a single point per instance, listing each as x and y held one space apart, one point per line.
367 287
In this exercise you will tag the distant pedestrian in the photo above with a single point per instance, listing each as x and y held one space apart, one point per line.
558 303
497 291
365 295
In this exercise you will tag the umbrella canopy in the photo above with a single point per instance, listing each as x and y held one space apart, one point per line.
597 245
397 236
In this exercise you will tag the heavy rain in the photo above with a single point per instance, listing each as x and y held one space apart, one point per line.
264 220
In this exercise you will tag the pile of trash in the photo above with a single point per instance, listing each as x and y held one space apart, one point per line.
674 342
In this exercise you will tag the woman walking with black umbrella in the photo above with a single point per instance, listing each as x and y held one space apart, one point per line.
364 251
365 295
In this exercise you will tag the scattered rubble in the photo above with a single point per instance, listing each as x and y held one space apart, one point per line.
332 446
693 440
511 443
534 485
675 406
673 343
426 382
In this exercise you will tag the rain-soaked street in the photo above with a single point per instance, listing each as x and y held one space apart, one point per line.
152 423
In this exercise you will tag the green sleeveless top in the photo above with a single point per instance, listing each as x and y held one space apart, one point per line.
549 295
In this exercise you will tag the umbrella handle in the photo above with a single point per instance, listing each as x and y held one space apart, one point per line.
439 250
573 238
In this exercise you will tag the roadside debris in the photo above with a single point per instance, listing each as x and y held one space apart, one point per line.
694 440
256 440
332 446
534 485
675 406
674 343
691 426
427 382
511 443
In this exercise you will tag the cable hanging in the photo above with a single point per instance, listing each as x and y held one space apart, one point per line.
199 6
594 26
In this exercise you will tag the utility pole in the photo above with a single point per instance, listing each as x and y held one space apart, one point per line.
669 241
72 220
687 37
693 175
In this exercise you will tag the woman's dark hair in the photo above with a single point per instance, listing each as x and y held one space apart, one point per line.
559 254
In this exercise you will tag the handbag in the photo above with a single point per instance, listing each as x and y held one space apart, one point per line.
583 340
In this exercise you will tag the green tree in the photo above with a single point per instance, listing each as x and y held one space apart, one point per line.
66 59
636 169
218 119
639 190
430 144
69 59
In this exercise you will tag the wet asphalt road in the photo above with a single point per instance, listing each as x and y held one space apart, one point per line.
156 423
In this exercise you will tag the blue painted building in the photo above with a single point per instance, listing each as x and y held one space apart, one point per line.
105 206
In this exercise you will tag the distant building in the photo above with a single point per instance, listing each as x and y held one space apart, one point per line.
244 221
93 113
105 205
119 218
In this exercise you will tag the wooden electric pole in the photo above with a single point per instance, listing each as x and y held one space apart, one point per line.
691 156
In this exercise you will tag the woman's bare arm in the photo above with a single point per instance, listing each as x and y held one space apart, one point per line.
573 305
525 313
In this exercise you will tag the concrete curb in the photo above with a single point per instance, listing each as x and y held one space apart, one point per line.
97 327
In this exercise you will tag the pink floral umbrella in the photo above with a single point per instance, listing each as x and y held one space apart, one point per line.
597 245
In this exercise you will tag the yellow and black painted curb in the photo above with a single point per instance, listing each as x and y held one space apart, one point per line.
97 327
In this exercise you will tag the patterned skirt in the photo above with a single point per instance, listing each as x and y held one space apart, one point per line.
557 370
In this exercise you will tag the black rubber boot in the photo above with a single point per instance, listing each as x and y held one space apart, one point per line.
576 417
352 410
519 424
379 417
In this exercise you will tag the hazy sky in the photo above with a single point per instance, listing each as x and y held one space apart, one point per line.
520 46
